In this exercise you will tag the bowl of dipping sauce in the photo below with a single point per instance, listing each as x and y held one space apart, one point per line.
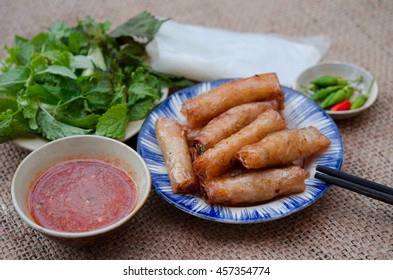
80 189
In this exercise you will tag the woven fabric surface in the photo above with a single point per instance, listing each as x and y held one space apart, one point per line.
340 225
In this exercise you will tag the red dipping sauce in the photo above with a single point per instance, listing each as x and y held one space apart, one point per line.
81 195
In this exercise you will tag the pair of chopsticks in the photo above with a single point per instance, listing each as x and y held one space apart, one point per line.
354 183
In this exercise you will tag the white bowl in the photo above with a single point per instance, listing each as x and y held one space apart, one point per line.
79 147
345 70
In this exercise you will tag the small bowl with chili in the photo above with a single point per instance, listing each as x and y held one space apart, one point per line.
80 189
343 89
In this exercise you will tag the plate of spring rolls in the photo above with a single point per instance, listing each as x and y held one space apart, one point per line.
239 150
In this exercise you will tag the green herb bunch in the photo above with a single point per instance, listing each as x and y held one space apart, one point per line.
80 80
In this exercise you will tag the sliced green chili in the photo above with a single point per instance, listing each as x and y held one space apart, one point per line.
323 93
328 80
361 99
336 97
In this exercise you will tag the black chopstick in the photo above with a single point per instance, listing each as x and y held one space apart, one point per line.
353 178
354 183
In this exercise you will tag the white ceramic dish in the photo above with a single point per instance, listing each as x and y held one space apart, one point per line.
79 147
345 70
32 143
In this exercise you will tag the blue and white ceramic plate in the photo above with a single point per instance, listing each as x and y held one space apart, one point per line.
300 111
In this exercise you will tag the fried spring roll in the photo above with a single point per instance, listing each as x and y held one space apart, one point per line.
230 122
191 134
193 153
217 160
283 147
237 170
254 187
173 143
201 109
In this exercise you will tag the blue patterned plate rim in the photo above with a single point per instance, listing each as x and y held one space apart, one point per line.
300 111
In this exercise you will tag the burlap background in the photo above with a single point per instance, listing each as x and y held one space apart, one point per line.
341 225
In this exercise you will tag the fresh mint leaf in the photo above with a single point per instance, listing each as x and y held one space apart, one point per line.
94 31
120 95
88 122
140 109
39 41
82 62
77 41
140 91
131 52
54 95
52 42
113 123
40 62
21 52
10 127
98 95
172 81
53 129
8 103
64 58
142 75
60 29
29 106
12 123
5 125
43 94
14 80
143 85
59 70
143 26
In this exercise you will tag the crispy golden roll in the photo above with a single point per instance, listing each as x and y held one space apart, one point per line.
193 153
283 147
191 134
201 109
173 143
237 170
254 187
217 160
230 122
